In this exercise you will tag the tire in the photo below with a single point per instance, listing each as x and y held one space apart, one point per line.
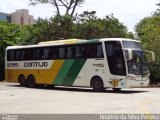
31 81
97 84
116 89
22 80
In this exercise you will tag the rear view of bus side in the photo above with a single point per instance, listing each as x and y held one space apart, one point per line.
101 63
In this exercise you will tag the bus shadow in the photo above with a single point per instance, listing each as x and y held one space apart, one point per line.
82 89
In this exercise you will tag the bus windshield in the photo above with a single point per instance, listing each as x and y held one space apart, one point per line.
138 64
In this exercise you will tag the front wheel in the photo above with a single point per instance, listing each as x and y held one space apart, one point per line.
97 84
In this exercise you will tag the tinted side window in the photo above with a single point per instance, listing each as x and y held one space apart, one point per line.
62 52
80 52
100 51
70 52
29 54
17 55
45 54
10 55
37 52
57 52
93 51
54 53
97 51
22 55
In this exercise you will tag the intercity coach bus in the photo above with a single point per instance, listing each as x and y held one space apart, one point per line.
100 63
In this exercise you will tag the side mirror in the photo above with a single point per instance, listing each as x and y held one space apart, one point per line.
128 54
150 55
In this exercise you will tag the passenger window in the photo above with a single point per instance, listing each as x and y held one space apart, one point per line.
22 57
88 51
79 51
29 54
10 55
100 52
17 55
61 53
69 52
46 53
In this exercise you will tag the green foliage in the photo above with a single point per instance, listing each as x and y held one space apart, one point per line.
148 29
87 27
32 34
9 35
61 27
66 27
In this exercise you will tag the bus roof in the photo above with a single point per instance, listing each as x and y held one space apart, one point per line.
69 42
56 43
118 39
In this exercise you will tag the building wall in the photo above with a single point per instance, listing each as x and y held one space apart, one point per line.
20 17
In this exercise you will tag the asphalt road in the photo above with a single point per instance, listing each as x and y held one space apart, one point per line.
61 100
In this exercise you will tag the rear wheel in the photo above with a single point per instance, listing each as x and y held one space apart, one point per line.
31 81
97 84
22 80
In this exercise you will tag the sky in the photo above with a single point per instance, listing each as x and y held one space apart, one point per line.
129 12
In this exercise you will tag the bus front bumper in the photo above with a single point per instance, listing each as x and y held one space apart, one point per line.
137 83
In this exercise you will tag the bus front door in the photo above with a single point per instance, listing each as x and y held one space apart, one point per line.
119 71
116 63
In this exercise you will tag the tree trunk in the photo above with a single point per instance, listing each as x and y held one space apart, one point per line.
69 7
58 12
74 7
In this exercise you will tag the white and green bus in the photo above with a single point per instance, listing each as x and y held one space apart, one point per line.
100 63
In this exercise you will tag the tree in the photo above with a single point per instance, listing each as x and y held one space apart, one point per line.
89 26
70 5
157 13
148 30
9 35
85 26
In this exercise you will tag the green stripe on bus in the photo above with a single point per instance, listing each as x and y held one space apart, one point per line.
63 72
73 72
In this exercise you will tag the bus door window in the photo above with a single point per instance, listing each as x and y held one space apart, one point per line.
115 57
119 64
